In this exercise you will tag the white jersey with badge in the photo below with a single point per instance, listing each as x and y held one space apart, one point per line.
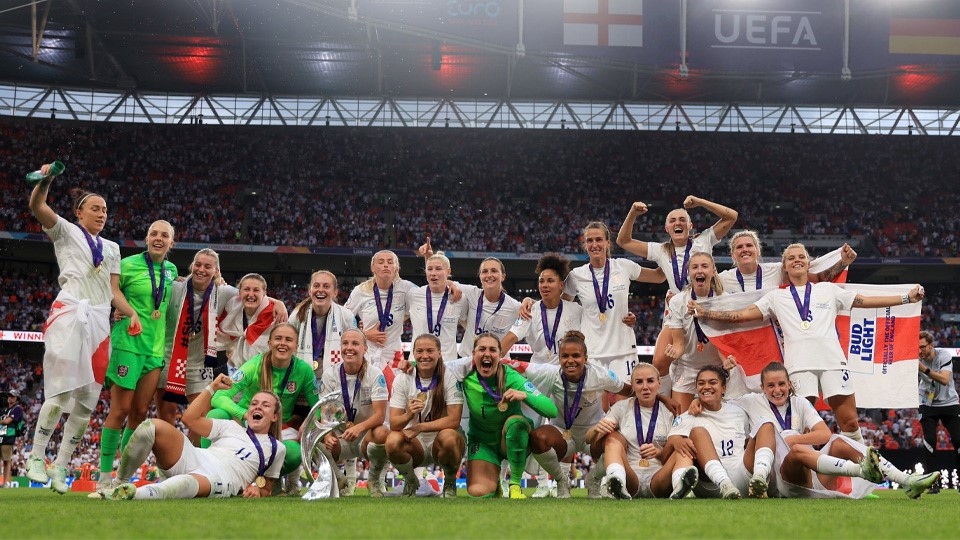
75 258
596 381
770 278
453 313
677 317
729 428
803 416
373 387
497 321
364 306
532 330
405 389
609 338
238 456
702 243
624 414
817 347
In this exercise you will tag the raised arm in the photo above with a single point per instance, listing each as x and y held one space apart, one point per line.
847 256
38 201
625 237
195 417
728 216
915 295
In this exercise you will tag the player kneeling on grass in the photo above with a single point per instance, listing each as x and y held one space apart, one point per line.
240 460
734 457
633 436
425 412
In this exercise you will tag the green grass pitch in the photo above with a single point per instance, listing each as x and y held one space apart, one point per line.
36 513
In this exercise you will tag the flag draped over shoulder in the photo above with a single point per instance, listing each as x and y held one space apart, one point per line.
880 343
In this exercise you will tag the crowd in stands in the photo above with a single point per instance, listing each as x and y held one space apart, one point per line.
484 190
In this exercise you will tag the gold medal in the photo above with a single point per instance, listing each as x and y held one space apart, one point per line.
644 462
316 365
567 435
804 325
349 425
502 406
96 269
422 396
603 318
155 314
260 481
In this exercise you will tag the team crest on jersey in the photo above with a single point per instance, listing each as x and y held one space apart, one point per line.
677 421
381 381
237 375
122 371
612 375
291 387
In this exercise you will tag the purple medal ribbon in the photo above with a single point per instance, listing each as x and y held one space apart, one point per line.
601 296
804 309
680 277
550 337
476 328
96 248
319 338
157 291
196 325
759 279
261 469
433 382
347 401
443 307
570 413
383 314
701 337
638 421
785 423
496 397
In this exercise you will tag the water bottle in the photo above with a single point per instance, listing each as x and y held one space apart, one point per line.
56 169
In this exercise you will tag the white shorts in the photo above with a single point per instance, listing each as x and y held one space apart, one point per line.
352 450
621 365
199 461
645 476
828 383
198 377
576 444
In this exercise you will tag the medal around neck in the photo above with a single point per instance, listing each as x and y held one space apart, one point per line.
56 169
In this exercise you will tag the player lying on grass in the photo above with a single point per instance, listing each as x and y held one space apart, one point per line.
240 460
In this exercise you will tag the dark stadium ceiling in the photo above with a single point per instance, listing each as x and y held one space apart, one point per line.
315 48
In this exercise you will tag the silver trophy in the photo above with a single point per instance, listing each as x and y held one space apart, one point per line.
328 415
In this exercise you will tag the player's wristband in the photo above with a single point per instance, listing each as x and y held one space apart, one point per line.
904 298
210 389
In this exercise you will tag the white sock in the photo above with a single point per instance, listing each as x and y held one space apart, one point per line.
47 420
835 466
550 463
892 472
137 450
855 435
182 486
616 470
405 469
350 470
763 462
715 472
73 430
377 455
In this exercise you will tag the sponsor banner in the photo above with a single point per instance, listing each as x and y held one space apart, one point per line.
778 35
491 21
636 31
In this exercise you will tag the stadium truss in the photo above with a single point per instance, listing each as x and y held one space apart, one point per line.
167 108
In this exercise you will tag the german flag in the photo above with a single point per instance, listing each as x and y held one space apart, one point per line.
925 36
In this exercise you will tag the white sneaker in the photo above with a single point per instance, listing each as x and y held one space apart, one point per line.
543 490
37 469
58 479
688 481
426 489
349 486
291 484
729 491
593 485
104 490
563 487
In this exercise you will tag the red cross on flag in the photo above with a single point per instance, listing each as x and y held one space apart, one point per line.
603 23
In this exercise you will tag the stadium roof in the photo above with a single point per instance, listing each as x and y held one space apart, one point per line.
328 48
